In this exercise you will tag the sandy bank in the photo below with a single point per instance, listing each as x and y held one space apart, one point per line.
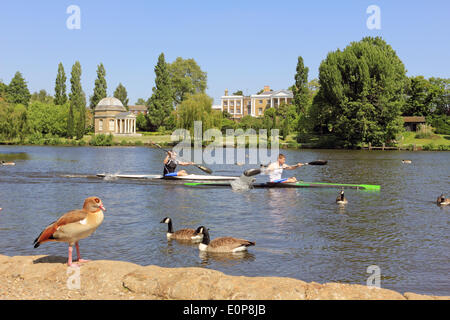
46 277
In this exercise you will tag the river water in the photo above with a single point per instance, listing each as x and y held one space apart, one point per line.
299 233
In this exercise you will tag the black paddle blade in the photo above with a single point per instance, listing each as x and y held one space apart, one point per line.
252 172
317 163
204 169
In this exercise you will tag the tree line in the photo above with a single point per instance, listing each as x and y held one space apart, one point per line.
360 96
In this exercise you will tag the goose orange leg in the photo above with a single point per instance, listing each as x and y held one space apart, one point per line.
78 254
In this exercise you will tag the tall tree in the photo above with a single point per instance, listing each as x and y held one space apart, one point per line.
300 89
361 93
121 94
99 87
3 89
187 78
17 91
77 103
238 93
60 86
160 104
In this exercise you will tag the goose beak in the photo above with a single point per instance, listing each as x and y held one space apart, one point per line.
102 207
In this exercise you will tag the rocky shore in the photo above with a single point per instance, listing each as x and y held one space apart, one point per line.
48 277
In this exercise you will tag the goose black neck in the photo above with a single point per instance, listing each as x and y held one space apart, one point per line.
169 225
205 239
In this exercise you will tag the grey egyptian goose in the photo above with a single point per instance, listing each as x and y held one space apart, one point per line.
74 226
442 201
182 234
341 198
222 245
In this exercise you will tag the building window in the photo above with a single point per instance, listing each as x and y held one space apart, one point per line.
260 111
260 101
100 125
111 125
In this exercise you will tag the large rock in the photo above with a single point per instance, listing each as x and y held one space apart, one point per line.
44 277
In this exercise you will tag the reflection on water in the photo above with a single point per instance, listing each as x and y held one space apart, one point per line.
299 233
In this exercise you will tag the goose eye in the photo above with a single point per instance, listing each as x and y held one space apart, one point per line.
97 200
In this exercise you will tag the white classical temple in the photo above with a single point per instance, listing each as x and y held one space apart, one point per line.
112 117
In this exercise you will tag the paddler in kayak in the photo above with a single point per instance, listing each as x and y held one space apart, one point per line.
170 164
275 169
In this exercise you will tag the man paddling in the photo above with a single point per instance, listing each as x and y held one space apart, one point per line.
275 169
170 164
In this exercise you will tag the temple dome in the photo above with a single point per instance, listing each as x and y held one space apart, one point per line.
110 104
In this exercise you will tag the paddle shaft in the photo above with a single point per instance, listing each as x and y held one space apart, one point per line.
204 169
253 172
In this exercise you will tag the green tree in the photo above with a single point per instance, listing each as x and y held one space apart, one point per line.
76 125
13 121
186 78
141 102
361 93
100 87
238 93
196 107
3 89
160 104
141 122
420 99
17 92
48 118
121 94
41 96
300 88
60 86
441 101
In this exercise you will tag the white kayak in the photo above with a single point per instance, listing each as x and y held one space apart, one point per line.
190 177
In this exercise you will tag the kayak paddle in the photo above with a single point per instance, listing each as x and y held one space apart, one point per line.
203 168
253 172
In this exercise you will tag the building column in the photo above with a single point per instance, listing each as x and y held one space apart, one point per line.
278 103
271 102
234 106
115 125
134 126
242 106
285 100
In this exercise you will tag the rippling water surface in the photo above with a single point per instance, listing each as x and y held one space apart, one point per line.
299 233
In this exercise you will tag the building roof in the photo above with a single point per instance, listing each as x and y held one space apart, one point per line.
125 114
414 119
110 104
138 107
274 94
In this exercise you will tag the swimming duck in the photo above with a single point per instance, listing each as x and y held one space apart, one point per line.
406 161
9 163
74 226
182 234
223 244
442 201
340 198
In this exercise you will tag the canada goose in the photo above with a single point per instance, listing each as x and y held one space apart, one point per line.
223 244
406 161
182 234
442 201
340 198
4 163
74 226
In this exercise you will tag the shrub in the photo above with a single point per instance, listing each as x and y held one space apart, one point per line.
123 142
101 140
139 143
424 132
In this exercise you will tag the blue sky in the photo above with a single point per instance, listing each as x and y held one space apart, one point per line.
240 44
